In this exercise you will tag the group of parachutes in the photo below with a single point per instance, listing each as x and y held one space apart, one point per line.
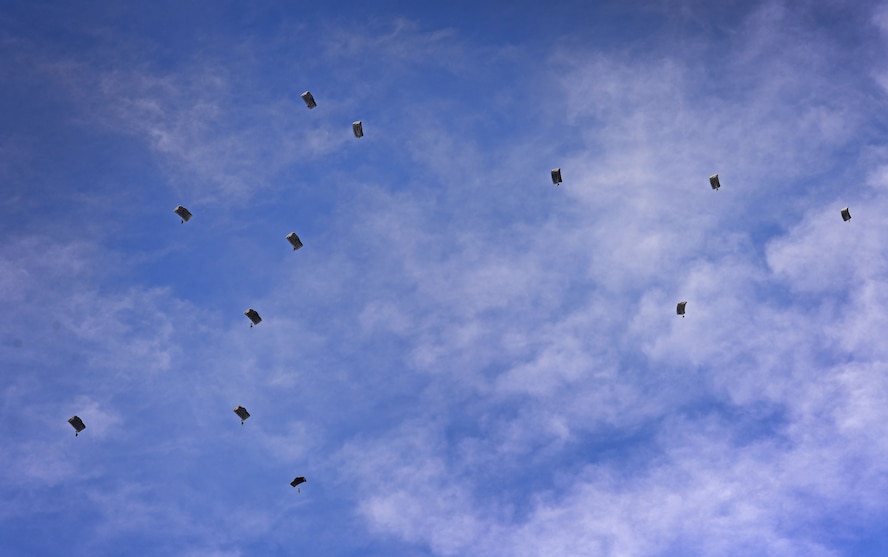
253 315
294 240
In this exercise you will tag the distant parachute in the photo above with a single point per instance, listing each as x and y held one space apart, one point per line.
294 240
556 176
358 128
298 480
254 316
680 310
183 213
309 99
713 181
241 413
846 214
77 424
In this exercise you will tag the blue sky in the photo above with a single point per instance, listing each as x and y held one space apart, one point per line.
463 360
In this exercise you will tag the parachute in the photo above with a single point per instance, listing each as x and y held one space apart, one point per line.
846 214
77 424
183 213
713 181
294 240
556 176
358 128
309 99
298 480
680 310
254 316
241 413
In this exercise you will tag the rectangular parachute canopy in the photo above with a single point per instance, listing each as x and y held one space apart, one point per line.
713 181
183 213
254 316
309 99
77 424
556 176
298 480
294 240
680 310
358 128
846 214
241 413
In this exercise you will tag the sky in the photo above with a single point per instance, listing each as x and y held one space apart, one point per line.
463 359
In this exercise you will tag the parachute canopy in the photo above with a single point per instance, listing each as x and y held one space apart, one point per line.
713 181
254 316
358 128
241 413
77 424
183 213
556 176
298 480
294 240
680 310
846 214
309 99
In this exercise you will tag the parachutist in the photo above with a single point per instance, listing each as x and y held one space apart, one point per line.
241 413
294 240
254 317
183 213
77 424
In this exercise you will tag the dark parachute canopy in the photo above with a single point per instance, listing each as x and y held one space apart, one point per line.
680 309
254 316
183 213
713 181
358 128
846 214
309 99
294 240
241 413
77 424
298 480
556 176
